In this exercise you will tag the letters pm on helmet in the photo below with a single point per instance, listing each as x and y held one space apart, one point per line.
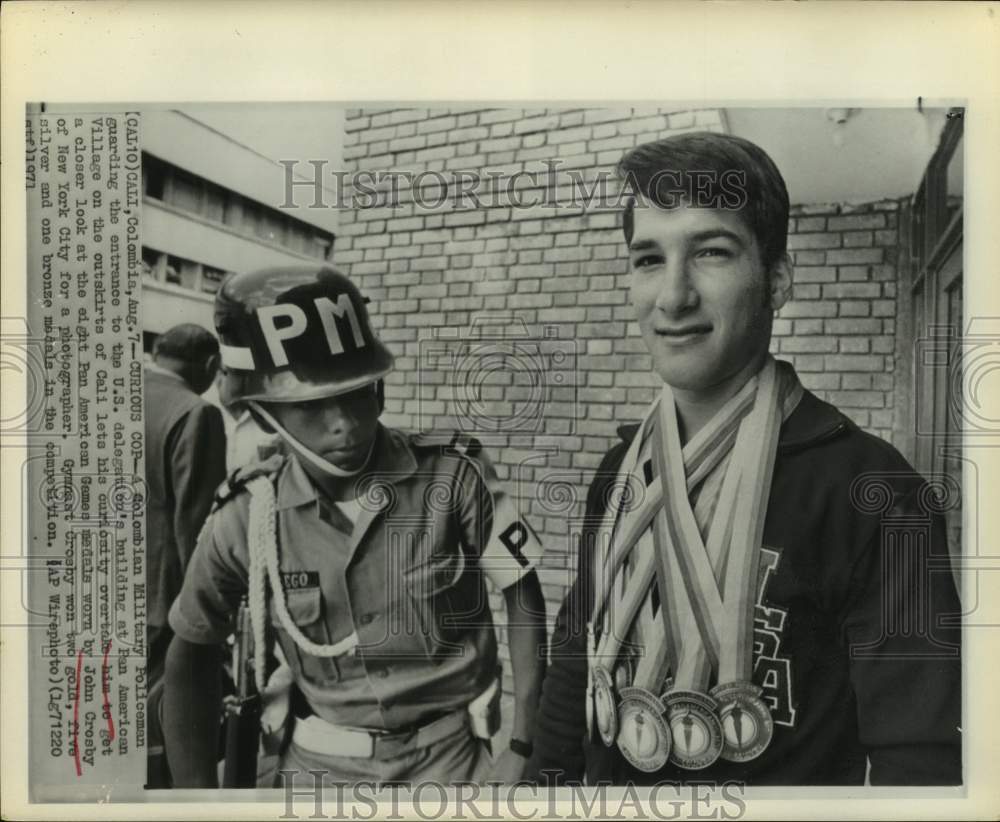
296 333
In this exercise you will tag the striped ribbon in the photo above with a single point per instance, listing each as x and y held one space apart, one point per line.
705 599
702 455
710 584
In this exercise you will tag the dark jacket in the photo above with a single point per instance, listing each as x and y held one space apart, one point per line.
855 633
185 463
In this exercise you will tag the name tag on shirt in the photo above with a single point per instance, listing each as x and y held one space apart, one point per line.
294 580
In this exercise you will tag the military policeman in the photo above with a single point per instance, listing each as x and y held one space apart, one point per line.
363 553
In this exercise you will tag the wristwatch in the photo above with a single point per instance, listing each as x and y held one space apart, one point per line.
521 748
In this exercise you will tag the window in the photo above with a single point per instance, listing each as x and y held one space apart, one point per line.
273 227
233 216
298 238
180 271
215 203
185 192
154 175
150 262
172 273
211 278
193 194
322 246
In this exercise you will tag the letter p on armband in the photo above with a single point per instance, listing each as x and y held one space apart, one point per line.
513 549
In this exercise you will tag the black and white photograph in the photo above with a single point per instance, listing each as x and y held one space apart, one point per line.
670 252
592 456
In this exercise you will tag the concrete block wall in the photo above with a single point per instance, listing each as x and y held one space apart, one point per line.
560 276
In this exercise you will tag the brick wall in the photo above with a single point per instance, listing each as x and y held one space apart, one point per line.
839 329
561 275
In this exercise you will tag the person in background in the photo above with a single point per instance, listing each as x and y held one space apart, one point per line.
185 462
246 441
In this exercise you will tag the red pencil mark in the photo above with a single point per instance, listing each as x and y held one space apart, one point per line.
105 688
76 714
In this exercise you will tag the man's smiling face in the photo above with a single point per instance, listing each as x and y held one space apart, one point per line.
702 297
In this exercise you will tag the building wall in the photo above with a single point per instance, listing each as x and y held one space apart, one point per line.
213 210
209 141
561 276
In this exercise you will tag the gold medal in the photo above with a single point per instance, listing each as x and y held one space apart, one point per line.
604 706
695 730
643 735
747 726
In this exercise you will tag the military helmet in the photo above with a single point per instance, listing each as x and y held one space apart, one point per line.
295 333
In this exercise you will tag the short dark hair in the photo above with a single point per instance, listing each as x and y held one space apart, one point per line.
186 342
722 171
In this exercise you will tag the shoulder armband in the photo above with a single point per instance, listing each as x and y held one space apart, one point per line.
238 479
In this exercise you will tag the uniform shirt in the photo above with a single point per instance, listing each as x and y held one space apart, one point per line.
408 577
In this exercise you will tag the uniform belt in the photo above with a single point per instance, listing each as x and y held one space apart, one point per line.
318 736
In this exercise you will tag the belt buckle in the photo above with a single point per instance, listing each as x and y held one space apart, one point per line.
369 746
386 745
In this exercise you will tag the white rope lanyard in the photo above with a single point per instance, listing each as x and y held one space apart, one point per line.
262 544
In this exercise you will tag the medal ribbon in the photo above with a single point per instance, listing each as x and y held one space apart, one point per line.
702 455
676 523
624 535
607 531
756 456
711 586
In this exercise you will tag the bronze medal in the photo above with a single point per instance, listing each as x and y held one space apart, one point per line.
605 713
696 733
747 726
643 735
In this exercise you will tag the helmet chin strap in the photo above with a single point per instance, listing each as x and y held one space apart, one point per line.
307 454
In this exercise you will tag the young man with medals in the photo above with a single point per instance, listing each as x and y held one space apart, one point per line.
362 553
741 610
